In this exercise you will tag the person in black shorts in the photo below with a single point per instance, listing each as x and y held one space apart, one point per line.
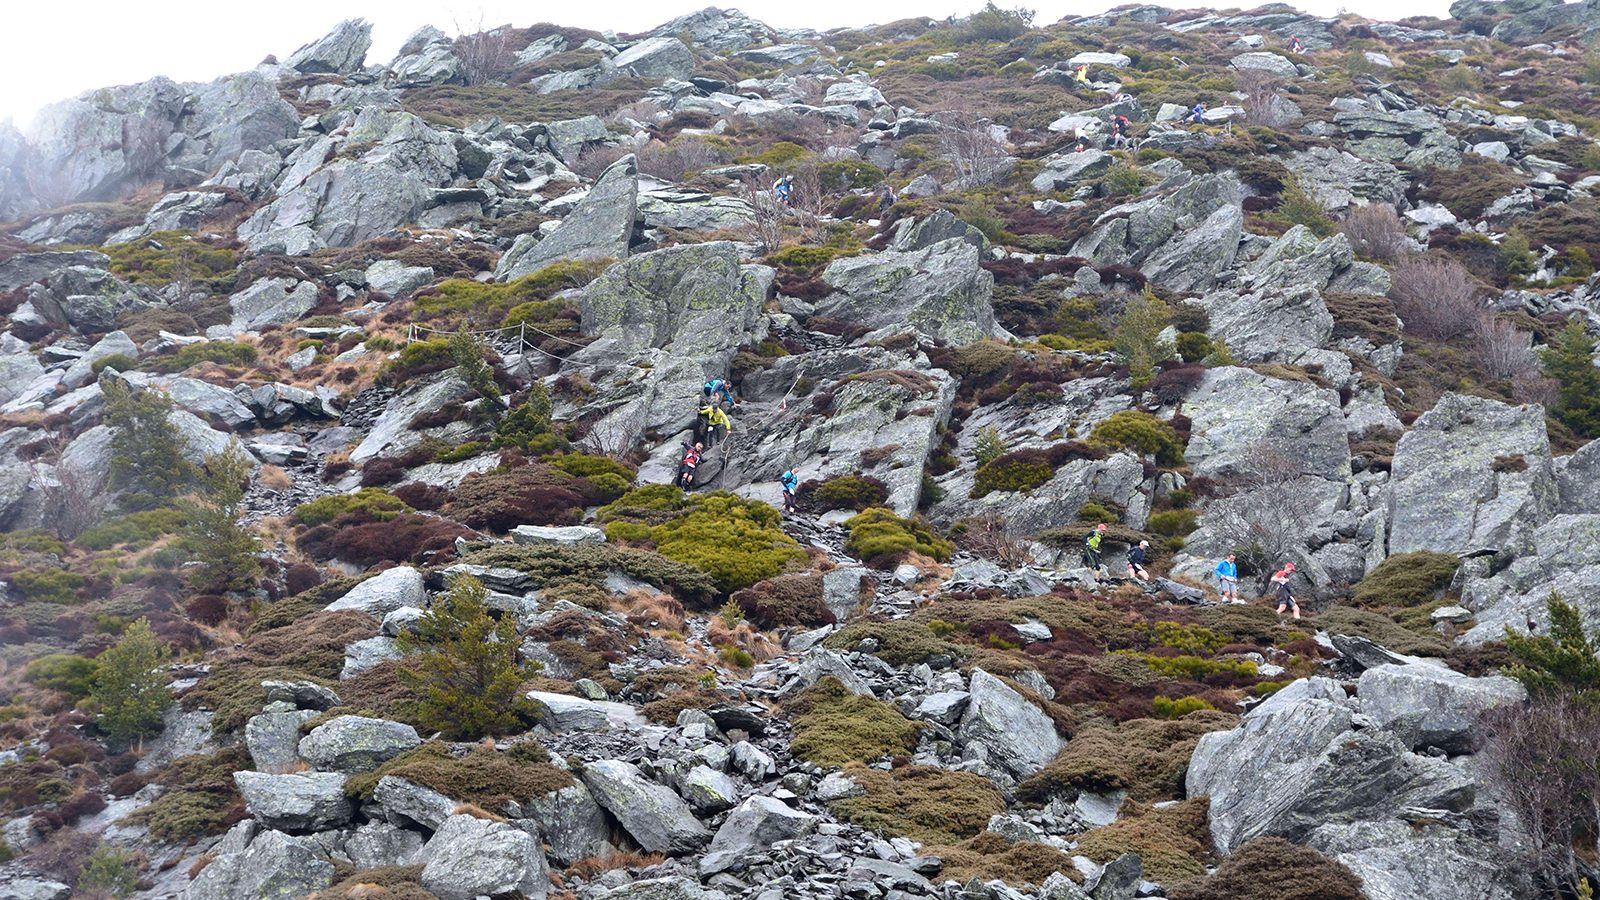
1136 560
1285 595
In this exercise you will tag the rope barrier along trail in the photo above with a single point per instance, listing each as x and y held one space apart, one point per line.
491 334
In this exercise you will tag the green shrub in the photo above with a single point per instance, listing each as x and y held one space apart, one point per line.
130 691
1296 207
901 642
924 803
1006 473
1271 868
417 358
68 673
527 425
840 175
989 447
465 666
583 465
1569 360
878 534
1168 708
781 154
834 727
136 529
1142 432
1138 337
222 353
120 362
487 304
459 452
1565 660
48 585
1193 668
1122 180
856 492
735 541
1407 579
1171 842
1092 511
1194 346
166 257
109 871
1173 522
370 504
993 23
1145 757
1196 639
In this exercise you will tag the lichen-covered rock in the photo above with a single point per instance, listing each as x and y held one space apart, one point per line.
1472 474
940 290
564 712
1338 180
273 739
271 301
600 226
384 593
708 790
1404 861
274 865
357 743
470 857
303 801
376 844
658 819
571 823
1432 705
1001 727
656 58
1234 411
1182 241
340 51
405 802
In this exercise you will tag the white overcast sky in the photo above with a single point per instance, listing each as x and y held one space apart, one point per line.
55 49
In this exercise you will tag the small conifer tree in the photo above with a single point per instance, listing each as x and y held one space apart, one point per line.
1570 361
147 462
225 551
466 668
129 689
1138 337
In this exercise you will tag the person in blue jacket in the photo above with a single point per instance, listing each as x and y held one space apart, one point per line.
791 485
1228 578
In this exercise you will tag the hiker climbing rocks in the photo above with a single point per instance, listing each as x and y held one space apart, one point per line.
1120 128
791 484
1081 76
784 189
718 393
1136 560
1227 573
1285 595
1082 139
686 467
1091 546
1296 45
886 199
1197 115
712 425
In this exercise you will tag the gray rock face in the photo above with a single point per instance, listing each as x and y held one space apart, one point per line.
395 278
1409 137
1183 240
80 373
391 434
89 300
574 826
755 825
271 301
658 819
656 58
708 790
600 226
698 298
303 694
274 865
1297 764
1269 325
780 55
273 739
1338 179
1433 706
1578 480
939 290
919 234
357 743
1007 730
470 857
34 889
688 210
376 844
1403 861
557 534
1235 410
563 712
385 592
1262 61
340 51
673 888
722 30
27 268
1471 474
1067 169
405 802
97 145
305 801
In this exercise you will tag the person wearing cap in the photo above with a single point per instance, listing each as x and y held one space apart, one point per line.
1285 596
1227 573
1136 560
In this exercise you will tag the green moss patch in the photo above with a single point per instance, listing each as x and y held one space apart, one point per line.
487 778
834 727
1407 579
880 537
901 642
1145 757
925 803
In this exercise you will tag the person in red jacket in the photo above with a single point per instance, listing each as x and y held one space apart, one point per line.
691 460
1285 595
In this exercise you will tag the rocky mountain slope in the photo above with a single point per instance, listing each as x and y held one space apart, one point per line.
342 402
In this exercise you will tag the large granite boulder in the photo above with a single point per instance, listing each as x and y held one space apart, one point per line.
1432 705
471 857
698 299
1236 410
384 593
572 823
1339 180
99 145
721 30
1003 728
564 712
1269 324
658 819
339 52
1409 860
376 844
89 300
357 743
1183 241
758 823
1414 138
1471 475
272 864
601 226
392 434
303 801
656 58
1067 169
271 301
273 739
1304 760
940 290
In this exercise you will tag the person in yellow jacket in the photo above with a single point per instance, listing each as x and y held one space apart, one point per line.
714 424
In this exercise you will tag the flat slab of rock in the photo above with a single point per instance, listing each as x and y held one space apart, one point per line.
1433 706
557 534
564 712
758 823
385 592
1013 734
